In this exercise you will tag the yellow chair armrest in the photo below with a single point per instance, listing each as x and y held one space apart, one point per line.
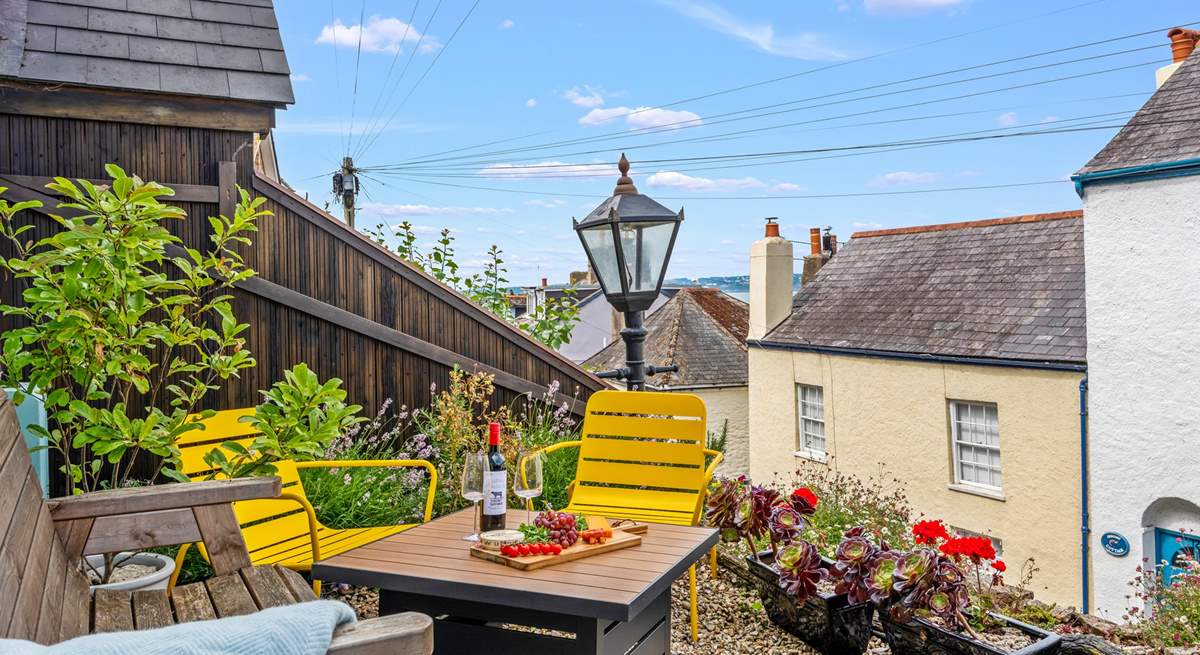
384 463
560 445
546 451
712 466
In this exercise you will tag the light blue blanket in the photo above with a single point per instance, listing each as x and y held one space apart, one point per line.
301 629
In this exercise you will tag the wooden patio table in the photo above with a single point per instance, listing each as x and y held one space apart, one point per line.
612 603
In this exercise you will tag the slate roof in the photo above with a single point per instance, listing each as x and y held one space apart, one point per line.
1165 129
1009 288
228 49
700 329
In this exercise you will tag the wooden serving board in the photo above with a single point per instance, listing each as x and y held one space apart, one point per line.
624 536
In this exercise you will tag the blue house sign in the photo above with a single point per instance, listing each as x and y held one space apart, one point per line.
1114 544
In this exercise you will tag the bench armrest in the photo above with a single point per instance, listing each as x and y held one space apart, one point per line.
138 500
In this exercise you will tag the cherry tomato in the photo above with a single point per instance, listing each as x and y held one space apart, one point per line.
524 549
555 549
509 550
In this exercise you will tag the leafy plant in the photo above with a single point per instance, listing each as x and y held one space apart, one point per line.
346 497
784 524
298 419
800 570
854 565
550 323
722 505
124 331
877 503
541 421
1170 612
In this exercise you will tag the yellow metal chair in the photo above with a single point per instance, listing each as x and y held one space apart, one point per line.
285 531
632 440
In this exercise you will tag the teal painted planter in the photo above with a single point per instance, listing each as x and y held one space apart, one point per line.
31 411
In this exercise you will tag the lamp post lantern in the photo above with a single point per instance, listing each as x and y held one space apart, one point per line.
628 240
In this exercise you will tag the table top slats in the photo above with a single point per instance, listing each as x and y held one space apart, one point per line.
432 559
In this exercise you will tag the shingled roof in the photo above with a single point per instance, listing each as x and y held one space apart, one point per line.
1165 129
700 329
228 49
1008 289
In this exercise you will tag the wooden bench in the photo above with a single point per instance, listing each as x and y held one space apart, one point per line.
44 594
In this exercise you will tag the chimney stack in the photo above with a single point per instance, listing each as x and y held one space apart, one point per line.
770 281
821 248
545 283
1183 43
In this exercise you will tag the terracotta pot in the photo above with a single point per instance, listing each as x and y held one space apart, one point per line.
827 622
1183 42
920 637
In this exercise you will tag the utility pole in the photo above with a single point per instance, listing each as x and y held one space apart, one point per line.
345 186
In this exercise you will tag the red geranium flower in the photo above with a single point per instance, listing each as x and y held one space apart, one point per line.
977 549
804 501
928 533
999 566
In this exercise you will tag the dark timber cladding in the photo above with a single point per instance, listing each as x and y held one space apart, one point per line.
325 295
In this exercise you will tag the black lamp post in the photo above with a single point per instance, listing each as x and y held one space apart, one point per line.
628 240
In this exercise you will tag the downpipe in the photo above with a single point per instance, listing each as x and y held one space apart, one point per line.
1085 528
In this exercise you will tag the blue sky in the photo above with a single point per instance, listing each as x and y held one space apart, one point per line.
526 75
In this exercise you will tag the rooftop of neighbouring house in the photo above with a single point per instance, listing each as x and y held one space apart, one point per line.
229 49
1007 288
1165 130
700 329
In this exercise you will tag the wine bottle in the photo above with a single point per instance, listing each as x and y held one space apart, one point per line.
495 484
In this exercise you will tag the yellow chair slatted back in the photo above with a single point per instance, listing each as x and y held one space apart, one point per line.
641 457
266 523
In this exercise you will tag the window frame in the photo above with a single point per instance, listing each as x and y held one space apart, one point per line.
956 443
802 448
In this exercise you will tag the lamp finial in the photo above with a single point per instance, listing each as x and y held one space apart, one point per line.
624 183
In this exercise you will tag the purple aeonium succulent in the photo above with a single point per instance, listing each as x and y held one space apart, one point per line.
854 557
800 570
785 525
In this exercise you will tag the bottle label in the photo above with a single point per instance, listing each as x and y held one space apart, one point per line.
495 485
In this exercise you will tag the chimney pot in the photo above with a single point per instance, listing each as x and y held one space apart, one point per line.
1183 42
544 283
772 229
814 241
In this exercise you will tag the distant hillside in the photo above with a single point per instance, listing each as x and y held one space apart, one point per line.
737 286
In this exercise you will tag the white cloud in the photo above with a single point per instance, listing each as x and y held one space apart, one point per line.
787 186
677 180
300 77
531 103
547 168
969 173
585 96
379 35
909 6
642 117
1008 119
507 24
549 204
387 210
801 45
905 178
866 226
727 242
1049 119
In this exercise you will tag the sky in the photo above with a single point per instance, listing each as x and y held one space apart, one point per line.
504 120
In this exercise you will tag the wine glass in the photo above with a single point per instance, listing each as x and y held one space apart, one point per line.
472 489
527 483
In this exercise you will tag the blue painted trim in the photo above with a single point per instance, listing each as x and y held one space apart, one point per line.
1181 168
918 357
1085 527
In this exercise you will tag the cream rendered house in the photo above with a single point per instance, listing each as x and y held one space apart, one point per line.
951 356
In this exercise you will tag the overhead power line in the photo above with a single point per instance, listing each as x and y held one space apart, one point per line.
392 66
367 144
808 71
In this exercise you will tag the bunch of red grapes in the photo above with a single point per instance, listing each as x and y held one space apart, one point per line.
561 526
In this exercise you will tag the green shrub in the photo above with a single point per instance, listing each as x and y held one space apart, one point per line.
877 503
367 497
539 423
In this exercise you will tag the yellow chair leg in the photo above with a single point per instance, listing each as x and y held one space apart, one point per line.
695 611
183 549
712 563
316 587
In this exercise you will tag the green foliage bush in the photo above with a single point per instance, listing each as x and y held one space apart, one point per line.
120 321
1171 614
877 503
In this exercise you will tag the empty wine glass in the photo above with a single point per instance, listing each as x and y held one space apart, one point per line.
527 483
472 489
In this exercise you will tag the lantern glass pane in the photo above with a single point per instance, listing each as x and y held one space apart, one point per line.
645 248
603 253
